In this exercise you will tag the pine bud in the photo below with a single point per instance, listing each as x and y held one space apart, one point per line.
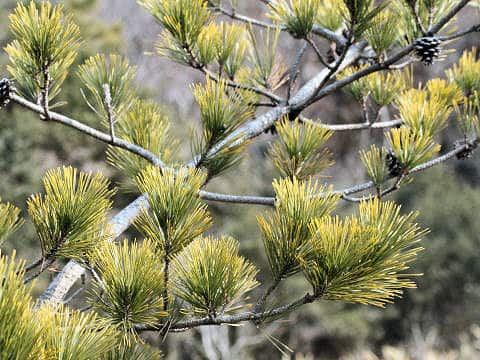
427 49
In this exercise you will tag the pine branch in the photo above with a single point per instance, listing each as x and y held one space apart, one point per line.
270 201
350 127
45 265
383 65
237 85
238 199
294 68
99 135
474 28
263 122
263 299
108 103
317 29
45 92
235 319
443 21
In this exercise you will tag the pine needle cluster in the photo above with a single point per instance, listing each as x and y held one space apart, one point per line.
468 116
101 71
18 338
410 149
221 114
70 219
130 286
382 87
382 32
183 21
360 15
177 216
9 220
298 151
362 259
267 68
427 12
375 164
71 334
330 14
298 16
211 277
466 73
426 111
287 229
225 44
46 333
145 124
45 46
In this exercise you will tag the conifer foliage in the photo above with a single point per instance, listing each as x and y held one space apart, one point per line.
179 274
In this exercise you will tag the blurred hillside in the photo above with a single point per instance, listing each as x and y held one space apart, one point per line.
440 319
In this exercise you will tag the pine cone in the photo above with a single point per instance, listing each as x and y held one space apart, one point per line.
428 49
5 90
393 165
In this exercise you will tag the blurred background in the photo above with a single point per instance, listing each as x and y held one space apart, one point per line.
439 320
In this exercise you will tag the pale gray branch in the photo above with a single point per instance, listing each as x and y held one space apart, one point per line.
270 201
317 29
350 127
99 135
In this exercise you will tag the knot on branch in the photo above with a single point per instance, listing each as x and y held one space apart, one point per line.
428 49
468 148
6 88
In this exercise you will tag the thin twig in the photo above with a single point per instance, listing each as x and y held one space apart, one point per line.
474 28
350 127
236 85
443 21
294 69
108 105
166 275
418 22
317 29
262 300
317 51
33 265
45 92
74 294
45 265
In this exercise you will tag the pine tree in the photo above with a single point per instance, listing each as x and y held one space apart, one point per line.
180 275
